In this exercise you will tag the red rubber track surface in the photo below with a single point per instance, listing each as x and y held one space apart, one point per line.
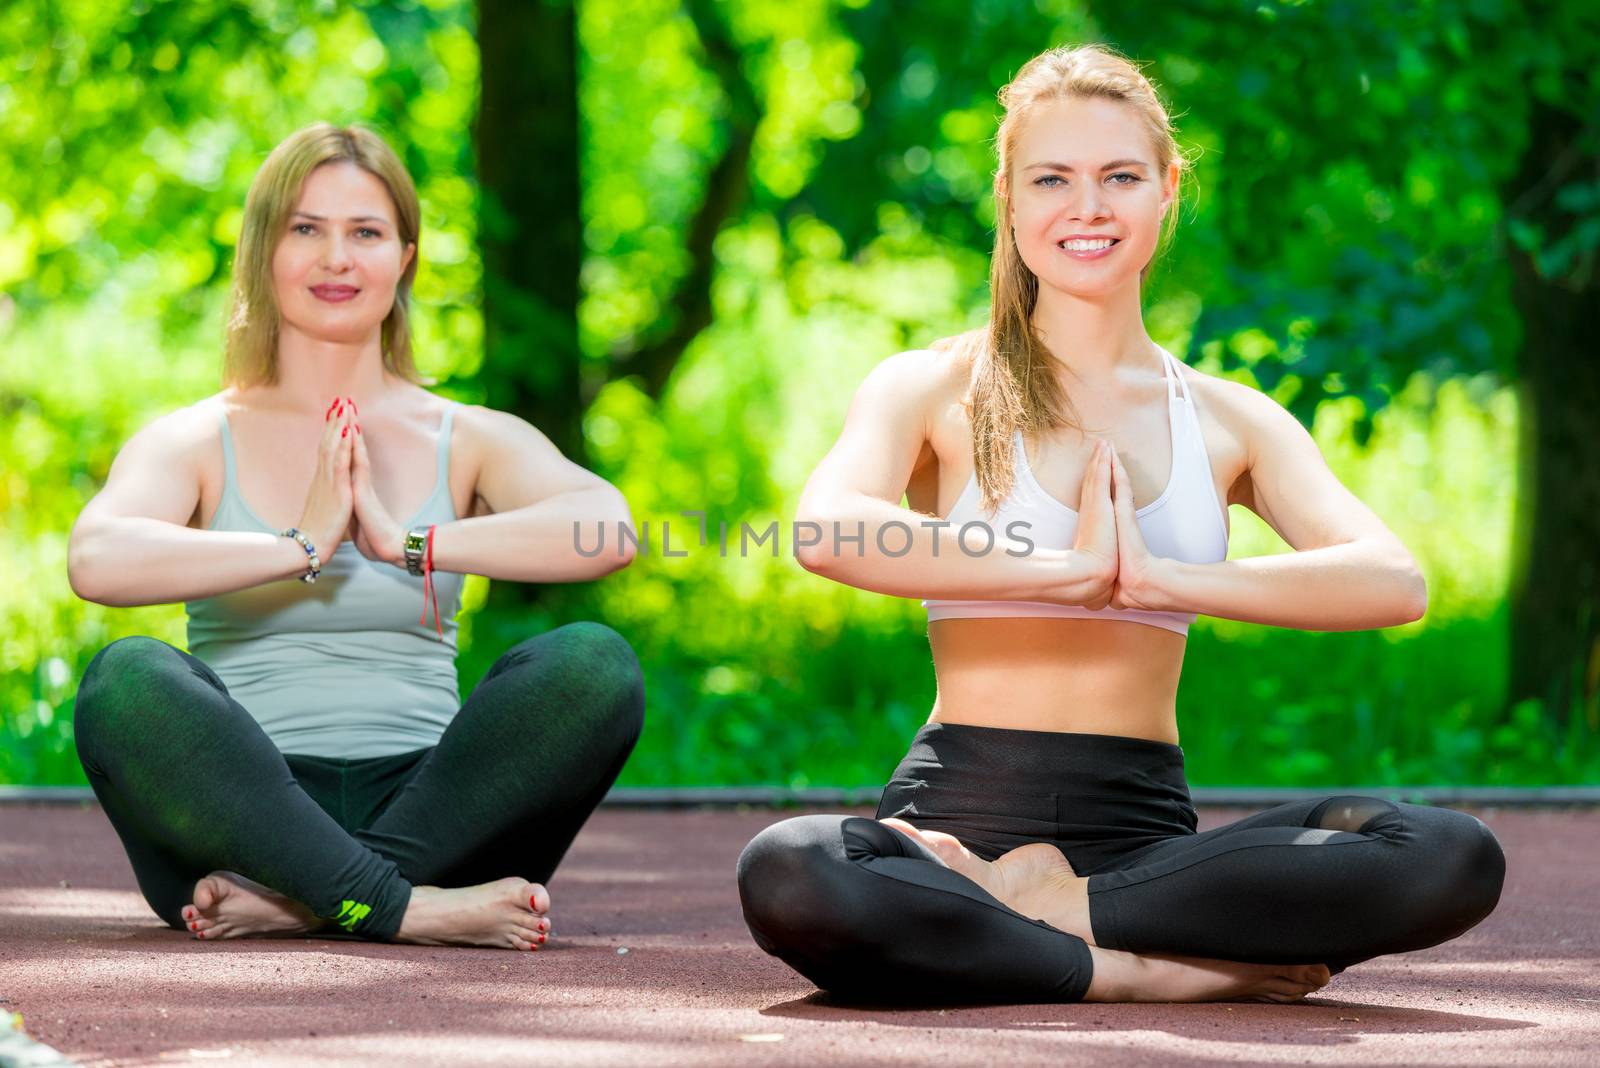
95 975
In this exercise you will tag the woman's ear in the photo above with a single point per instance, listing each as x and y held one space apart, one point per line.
407 256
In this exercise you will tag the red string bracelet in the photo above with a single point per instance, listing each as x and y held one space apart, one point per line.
429 592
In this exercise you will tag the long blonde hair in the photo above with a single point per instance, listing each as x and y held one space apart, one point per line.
252 340
1013 386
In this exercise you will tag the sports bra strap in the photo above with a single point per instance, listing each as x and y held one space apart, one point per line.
1175 383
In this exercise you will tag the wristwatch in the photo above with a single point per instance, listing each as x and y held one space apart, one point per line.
416 542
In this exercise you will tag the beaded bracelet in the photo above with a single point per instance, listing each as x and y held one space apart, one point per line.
311 554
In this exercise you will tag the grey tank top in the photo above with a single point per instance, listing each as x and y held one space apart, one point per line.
341 667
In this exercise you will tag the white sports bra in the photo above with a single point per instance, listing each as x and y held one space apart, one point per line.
1186 522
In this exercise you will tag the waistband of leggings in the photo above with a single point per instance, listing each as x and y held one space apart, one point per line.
964 750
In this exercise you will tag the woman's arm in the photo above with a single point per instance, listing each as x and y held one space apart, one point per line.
131 545
1349 570
858 486
539 502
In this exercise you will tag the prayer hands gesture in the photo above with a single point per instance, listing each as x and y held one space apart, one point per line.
1108 539
341 498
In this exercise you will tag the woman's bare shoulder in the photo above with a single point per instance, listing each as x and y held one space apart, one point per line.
949 371
1222 398
938 374
187 431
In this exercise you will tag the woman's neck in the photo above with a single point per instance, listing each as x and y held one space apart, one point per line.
1096 342
313 371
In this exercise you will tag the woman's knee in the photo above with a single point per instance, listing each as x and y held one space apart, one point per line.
1466 866
790 880
120 679
610 671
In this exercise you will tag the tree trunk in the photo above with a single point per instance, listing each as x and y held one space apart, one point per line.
530 227
1555 585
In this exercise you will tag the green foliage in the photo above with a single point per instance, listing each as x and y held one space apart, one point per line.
1343 250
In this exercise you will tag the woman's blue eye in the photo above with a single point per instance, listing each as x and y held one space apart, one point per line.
1053 178
367 231
301 228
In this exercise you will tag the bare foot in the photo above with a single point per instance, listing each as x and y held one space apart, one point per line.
508 912
1035 880
227 905
1120 976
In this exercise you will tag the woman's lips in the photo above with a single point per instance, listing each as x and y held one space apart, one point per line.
1093 254
334 294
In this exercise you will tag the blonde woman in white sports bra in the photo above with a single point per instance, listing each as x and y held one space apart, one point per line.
1068 481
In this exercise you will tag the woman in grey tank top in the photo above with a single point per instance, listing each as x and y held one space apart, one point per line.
307 765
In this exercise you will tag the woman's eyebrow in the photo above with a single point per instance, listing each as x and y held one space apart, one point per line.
1068 167
353 218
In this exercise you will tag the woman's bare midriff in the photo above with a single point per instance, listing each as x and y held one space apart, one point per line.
1089 676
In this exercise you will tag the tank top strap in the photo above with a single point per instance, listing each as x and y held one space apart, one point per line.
230 470
443 447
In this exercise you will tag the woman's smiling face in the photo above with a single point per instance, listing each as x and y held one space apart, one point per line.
340 258
1084 169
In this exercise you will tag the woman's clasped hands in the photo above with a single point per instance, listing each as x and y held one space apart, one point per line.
1120 568
341 499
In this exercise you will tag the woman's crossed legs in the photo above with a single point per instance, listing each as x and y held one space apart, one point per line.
1267 907
193 786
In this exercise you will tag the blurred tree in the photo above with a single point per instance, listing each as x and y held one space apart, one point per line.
726 189
1385 189
1553 212
530 227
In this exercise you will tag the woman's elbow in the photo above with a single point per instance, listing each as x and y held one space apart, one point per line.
624 548
811 549
83 571
626 553
1418 604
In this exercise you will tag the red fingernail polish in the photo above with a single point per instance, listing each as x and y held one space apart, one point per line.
343 432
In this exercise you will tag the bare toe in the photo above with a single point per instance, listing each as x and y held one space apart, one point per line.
206 894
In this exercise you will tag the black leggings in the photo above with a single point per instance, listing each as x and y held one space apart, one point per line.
193 785
865 912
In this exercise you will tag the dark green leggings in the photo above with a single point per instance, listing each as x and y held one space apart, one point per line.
193 785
